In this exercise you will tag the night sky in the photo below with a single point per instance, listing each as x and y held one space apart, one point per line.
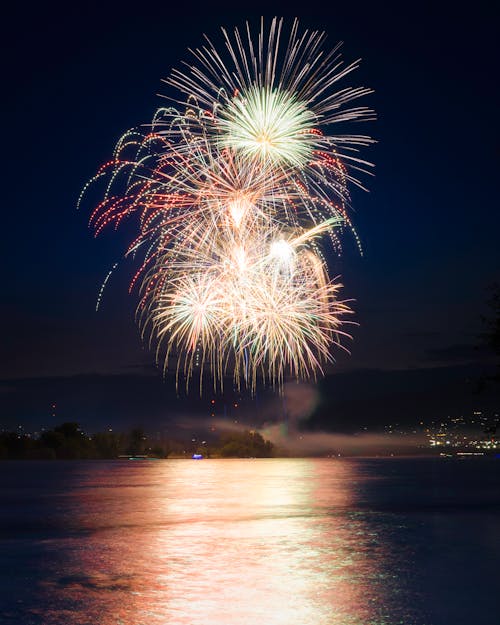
76 77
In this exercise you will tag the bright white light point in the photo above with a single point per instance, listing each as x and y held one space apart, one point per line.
281 250
199 310
237 208
240 257
265 142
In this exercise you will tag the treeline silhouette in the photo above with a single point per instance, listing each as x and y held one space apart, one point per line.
67 441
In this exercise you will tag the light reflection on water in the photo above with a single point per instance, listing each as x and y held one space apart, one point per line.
221 543
217 542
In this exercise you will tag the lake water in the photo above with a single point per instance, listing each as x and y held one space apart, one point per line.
250 542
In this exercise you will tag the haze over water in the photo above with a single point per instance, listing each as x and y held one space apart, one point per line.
250 542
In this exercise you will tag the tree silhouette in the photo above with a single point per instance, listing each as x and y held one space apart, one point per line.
492 334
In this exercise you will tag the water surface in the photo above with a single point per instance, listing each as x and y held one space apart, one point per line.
250 542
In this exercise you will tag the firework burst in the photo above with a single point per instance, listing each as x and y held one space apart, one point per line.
235 189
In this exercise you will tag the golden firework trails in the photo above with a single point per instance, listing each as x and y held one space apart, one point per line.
236 188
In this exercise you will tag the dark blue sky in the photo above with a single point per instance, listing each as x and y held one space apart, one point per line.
76 76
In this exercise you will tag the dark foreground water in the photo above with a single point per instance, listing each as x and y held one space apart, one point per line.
250 542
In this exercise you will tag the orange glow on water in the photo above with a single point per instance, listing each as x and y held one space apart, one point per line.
223 542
